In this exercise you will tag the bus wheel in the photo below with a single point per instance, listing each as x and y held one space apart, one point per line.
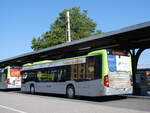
32 89
70 92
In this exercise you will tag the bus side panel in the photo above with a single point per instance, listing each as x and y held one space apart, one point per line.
3 85
97 88
45 87
51 87
83 88
25 87
90 88
105 69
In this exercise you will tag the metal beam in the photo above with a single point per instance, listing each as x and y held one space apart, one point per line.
135 57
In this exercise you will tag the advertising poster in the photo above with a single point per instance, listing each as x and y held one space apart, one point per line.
123 63
14 72
112 63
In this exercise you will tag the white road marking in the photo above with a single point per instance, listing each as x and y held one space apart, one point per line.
12 109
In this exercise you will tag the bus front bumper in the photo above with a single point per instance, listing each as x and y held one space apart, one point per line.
13 86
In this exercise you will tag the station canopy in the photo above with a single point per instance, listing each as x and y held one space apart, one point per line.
132 37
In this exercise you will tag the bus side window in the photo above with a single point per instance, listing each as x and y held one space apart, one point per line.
98 67
90 67
1 76
74 72
23 77
31 76
54 74
66 74
60 74
5 74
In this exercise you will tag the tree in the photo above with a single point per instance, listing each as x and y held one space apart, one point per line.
81 27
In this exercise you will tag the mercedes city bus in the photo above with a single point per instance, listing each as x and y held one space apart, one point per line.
10 77
99 73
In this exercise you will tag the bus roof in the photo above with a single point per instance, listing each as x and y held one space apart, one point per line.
97 52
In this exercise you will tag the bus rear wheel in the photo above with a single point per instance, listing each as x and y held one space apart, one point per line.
32 89
70 92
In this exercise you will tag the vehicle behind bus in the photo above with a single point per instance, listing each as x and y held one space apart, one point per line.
99 73
10 77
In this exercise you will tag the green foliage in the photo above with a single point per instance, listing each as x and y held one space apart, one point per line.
81 27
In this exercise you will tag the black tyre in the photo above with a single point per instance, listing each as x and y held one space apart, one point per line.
70 91
32 89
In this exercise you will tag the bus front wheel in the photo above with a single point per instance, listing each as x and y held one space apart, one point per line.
32 89
70 92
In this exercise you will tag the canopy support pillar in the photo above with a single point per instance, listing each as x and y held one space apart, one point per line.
135 54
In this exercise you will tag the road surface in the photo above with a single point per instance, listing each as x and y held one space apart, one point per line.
17 102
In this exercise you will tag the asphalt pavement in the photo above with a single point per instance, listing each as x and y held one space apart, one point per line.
17 102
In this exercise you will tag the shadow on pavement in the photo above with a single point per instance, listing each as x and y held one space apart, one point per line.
103 98
92 99
10 90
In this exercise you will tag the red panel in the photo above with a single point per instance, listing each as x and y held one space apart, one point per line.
15 72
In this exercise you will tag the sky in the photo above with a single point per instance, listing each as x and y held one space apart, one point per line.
21 20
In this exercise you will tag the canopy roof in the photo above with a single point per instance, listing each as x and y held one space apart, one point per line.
136 36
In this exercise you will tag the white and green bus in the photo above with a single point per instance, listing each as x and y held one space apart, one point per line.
99 73
10 77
